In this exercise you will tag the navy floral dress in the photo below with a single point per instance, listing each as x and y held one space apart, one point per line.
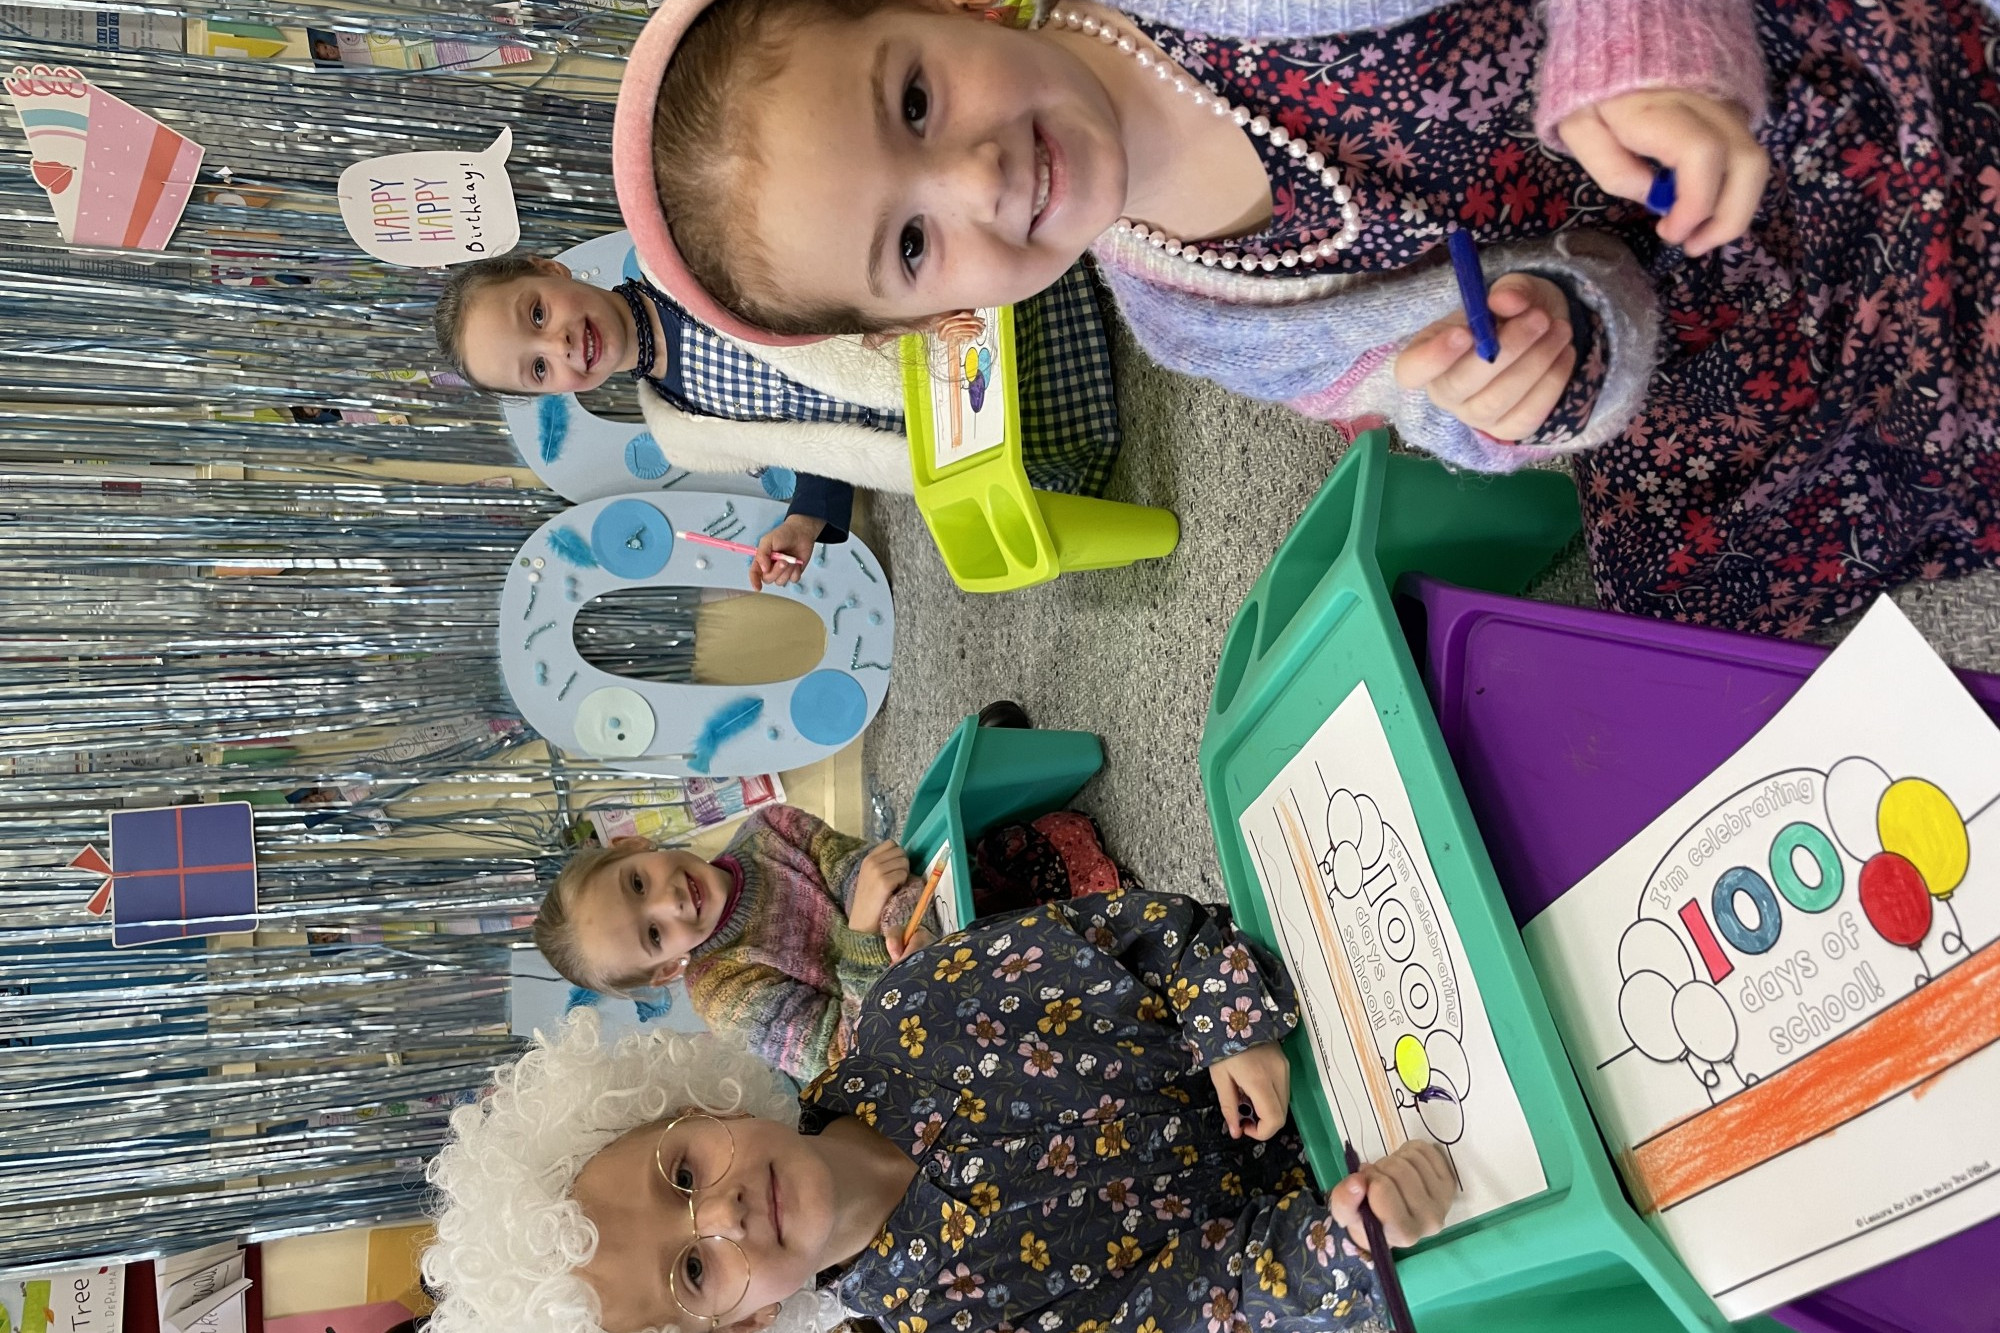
1047 1073
1824 421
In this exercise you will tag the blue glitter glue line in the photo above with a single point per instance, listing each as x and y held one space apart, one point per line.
721 520
856 663
552 424
537 633
573 547
534 591
864 566
565 689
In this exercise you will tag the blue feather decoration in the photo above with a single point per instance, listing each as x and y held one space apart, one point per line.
552 416
573 547
726 722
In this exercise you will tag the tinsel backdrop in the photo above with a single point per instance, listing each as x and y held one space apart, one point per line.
206 597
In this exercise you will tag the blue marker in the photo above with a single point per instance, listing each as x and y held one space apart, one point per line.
1472 294
1660 197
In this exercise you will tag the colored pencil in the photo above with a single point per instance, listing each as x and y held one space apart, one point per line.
703 539
924 900
1472 294
1660 198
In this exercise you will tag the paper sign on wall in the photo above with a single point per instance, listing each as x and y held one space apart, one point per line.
1784 995
1398 1030
432 209
115 176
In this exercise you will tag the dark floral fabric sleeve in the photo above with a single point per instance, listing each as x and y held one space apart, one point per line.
1191 956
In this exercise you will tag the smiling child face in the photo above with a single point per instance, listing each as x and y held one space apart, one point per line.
637 918
546 332
918 162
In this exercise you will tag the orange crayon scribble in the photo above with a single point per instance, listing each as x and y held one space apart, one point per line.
1352 1011
1902 1049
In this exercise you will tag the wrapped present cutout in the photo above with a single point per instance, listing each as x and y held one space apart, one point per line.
181 871
93 860
114 175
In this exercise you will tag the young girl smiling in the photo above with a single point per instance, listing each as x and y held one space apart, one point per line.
1266 185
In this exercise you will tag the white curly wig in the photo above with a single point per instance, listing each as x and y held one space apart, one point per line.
509 1235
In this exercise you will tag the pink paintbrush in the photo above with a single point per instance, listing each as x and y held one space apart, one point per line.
703 539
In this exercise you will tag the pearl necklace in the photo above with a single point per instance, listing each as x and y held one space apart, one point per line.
1260 126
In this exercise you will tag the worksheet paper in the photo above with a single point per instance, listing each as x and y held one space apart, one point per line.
970 380
1783 996
1398 1030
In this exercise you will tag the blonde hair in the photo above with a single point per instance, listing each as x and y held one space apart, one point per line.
555 928
705 154
509 1233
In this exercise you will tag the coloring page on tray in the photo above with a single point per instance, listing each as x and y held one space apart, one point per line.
1809 941
1398 1029
969 390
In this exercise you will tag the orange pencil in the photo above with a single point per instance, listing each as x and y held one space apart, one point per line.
924 900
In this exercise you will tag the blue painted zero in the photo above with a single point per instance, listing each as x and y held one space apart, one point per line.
1745 882
631 539
829 707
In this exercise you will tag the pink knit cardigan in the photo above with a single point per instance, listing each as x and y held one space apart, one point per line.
1599 49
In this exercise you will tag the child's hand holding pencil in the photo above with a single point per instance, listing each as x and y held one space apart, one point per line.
1510 395
913 935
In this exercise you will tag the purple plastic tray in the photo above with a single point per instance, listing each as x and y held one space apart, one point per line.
1571 731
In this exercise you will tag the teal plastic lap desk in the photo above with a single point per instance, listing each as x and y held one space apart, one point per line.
988 777
1319 622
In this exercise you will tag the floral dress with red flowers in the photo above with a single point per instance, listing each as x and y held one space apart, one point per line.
1824 418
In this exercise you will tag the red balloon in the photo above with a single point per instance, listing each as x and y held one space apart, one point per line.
1895 899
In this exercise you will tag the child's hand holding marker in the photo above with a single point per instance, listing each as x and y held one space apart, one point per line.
1409 1191
1510 395
784 551
1254 1089
1718 169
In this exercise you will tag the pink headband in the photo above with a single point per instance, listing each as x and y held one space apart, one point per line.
638 193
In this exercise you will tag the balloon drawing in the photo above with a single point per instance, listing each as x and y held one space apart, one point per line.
1752 941
962 385
1913 847
1365 862
1671 1015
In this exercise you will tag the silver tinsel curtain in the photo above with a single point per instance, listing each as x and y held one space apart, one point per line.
172 632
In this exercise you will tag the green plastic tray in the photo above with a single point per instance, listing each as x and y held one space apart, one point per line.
988 777
1319 621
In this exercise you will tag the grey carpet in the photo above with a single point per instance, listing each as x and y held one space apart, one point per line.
1131 653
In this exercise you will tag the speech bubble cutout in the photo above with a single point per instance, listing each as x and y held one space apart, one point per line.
432 209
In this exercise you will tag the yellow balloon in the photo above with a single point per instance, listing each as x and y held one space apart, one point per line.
972 363
1413 1066
1920 824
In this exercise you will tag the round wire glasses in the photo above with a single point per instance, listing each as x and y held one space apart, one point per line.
711 1274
